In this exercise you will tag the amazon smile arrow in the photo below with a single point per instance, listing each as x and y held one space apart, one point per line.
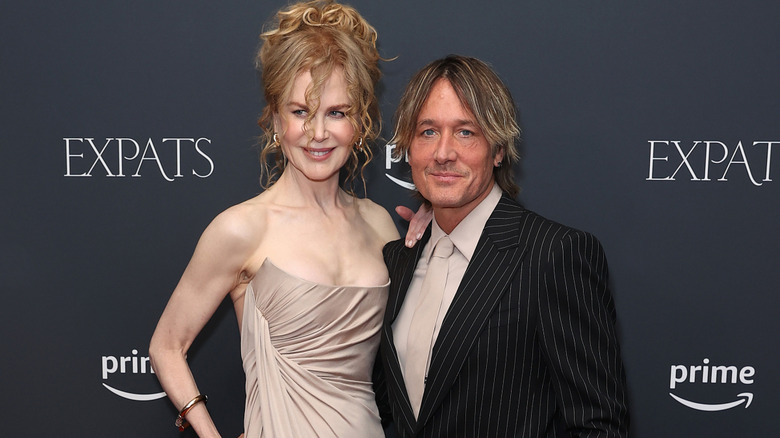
748 397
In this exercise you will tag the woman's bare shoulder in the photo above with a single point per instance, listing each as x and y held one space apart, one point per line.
241 224
378 218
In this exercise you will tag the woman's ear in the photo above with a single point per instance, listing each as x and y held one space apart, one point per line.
277 123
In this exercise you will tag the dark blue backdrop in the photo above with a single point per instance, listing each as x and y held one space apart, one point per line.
651 125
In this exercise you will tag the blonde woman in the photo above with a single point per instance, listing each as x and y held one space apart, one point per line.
302 261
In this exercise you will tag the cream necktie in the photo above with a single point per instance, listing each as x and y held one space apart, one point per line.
420 339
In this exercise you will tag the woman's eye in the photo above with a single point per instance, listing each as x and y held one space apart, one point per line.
299 113
337 114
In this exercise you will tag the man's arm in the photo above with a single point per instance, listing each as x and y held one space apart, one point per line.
380 389
579 341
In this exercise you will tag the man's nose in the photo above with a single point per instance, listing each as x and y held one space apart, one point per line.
445 149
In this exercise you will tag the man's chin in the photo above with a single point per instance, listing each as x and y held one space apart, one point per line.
445 202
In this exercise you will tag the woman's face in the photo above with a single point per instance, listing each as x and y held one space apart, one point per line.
319 149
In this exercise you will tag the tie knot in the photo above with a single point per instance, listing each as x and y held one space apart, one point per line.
443 248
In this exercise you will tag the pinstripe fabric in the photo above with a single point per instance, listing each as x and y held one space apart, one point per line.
528 347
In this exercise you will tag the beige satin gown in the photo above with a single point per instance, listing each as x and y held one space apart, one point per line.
308 352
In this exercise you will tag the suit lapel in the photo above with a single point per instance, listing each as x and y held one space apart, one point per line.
401 276
402 262
487 277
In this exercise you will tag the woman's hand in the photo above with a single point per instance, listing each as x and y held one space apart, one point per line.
418 222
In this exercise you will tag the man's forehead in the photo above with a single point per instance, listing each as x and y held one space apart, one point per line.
444 103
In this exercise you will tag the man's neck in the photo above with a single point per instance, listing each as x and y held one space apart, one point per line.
449 218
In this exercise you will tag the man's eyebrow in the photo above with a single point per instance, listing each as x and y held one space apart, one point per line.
468 122
459 122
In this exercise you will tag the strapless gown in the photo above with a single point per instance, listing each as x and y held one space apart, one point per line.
308 351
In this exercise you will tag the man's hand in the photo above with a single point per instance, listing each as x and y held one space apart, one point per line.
418 222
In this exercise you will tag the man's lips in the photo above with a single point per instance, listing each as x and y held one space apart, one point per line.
444 175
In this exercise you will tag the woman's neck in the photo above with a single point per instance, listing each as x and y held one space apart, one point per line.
295 189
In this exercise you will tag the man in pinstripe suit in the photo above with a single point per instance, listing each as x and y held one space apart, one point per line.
523 341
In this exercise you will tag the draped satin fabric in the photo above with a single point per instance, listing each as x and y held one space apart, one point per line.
308 351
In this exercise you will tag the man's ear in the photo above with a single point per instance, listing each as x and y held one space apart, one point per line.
499 157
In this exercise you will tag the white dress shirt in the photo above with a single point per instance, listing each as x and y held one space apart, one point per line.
464 237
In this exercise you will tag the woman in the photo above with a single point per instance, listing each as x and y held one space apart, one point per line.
302 261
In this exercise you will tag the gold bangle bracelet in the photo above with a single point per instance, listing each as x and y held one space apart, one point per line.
181 423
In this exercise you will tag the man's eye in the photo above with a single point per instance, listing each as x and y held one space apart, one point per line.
466 133
428 132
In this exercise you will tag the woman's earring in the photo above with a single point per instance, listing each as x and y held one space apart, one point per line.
359 144
275 139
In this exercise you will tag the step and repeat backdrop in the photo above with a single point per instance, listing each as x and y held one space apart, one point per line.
127 126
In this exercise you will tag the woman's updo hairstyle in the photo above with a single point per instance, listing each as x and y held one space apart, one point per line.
319 36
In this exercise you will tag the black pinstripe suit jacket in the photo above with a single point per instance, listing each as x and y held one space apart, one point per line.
528 345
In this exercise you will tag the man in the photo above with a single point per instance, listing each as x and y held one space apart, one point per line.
509 329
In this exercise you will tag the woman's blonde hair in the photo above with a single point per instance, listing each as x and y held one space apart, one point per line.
319 36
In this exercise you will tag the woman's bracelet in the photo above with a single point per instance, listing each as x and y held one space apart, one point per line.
181 423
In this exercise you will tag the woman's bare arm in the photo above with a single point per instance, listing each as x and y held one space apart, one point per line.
213 272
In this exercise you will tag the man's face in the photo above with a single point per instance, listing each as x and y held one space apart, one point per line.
451 160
